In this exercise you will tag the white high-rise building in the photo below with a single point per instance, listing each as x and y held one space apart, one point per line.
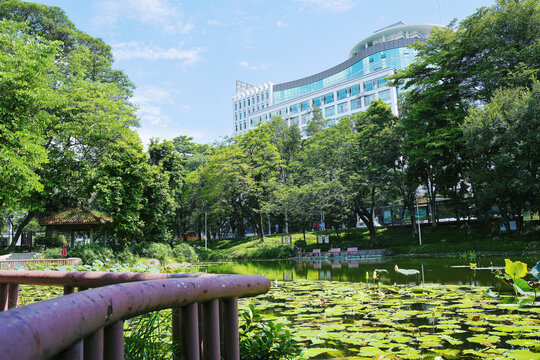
342 90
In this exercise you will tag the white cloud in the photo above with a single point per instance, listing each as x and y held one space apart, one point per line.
247 65
282 24
136 50
215 23
156 12
328 5
150 100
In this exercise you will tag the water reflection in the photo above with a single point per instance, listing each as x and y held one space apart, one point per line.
432 270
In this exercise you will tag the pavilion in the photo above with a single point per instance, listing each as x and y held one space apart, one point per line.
78 219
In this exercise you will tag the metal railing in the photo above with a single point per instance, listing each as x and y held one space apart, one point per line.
10 264
90 324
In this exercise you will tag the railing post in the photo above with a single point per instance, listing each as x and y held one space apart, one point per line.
211 343
189 332
231 336
176 331
113 348
93 346
13 296
74 352
3 296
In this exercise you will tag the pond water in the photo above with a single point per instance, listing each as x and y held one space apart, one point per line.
333 313
446 271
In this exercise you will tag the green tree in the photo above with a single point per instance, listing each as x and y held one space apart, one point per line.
25 64
120 185
503 145
317 122
495 47
87 108
374 160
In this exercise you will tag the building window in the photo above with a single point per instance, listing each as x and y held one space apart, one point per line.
304 106
294 120
368 85
329 111
257 108
244 103
342 94
262 106
343 107
235 106
329 98
294 109
384 95
236 117
317 102
356 104
245 127
355 90
306 118
257 99
248 103
368 99
244 114
240 126
236 127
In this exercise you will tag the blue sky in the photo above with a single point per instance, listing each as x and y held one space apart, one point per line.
185 56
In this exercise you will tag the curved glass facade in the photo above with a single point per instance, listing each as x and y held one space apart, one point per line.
397 58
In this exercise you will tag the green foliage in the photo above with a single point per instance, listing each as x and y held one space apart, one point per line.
184 253
503 146
153 250
148 337
25 71
91 253
265 339
52 253
126 257
300 244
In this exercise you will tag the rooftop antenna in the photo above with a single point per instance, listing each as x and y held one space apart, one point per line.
440 13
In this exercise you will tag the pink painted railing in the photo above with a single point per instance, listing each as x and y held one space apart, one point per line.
10 264
90 324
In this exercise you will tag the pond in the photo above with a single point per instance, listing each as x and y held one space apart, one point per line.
447 271
445 311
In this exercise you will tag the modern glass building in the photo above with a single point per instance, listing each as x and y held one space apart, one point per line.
340 91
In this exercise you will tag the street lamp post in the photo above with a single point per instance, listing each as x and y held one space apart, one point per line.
418 218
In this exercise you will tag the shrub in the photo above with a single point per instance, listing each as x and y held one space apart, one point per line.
127 257
153 250
265 340
52 253
300 244
91 253
185 253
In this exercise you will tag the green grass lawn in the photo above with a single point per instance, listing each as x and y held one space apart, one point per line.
445 239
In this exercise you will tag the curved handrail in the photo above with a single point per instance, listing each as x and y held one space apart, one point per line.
44 329
86 279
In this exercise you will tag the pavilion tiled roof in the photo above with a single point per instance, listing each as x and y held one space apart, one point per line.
77 216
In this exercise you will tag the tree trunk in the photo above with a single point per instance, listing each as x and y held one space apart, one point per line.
261 227
20 229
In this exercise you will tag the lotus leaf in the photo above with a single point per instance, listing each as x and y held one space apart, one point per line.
515 269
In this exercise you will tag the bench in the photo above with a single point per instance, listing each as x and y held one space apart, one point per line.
334 252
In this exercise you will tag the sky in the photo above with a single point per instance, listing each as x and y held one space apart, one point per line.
185 56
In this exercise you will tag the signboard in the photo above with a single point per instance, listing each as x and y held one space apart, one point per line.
323 239
64 251
387 216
